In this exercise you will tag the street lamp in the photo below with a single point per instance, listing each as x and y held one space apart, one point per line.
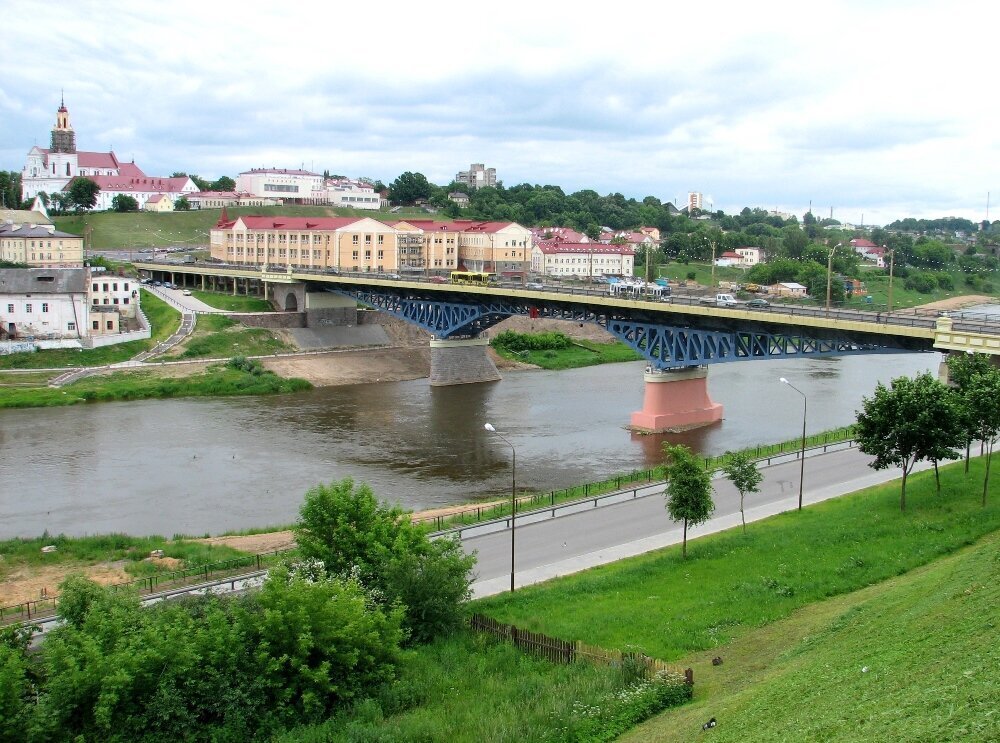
802 464
829 274
513 495
892 263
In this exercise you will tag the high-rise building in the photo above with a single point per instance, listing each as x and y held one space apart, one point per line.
477 176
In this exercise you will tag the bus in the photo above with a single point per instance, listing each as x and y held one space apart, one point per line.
477 278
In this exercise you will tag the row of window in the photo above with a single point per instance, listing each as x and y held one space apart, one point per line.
28 308
105 285
114 300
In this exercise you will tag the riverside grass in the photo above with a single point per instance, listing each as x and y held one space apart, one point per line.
217 336
217 380
231 302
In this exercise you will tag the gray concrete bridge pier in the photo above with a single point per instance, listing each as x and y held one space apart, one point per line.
461 361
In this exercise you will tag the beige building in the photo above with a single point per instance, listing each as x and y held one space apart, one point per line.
39 245
160 202
579 260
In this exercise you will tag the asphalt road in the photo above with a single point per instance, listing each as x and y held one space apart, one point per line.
574 542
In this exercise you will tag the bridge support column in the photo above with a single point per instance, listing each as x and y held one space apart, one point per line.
676 401
461 361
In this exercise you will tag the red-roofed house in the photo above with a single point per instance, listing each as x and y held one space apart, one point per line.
869 251
140 188
159 202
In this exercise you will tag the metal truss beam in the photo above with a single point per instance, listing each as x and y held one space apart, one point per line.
663 346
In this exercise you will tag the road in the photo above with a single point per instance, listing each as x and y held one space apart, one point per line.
575 542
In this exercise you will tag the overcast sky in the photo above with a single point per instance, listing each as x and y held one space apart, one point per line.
878 109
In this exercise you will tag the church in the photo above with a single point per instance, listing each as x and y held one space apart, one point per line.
50 170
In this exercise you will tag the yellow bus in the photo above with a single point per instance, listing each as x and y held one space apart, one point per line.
472 277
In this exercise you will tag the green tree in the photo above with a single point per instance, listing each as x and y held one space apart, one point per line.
979 397
182 204
352 534
742 472
16 684
224 183
961 369
911 420
689 489
124 203
408 187
10 189
82 193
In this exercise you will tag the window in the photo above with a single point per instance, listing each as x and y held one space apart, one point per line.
354 255
95 287
380 256
381 239
45 306
105 287
115 300
71 326
95 300
368 255
354 239
110 324
126 286
10 308
27 308
97 325
125 301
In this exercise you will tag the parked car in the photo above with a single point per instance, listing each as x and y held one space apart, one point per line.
720 300
157 283
186 292
757 303
537 285
438 280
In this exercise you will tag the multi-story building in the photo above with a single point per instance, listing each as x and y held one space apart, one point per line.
219 199
477 176
750 256
365 244
44 303
38 245
118 293
695 201
352 193
301 186
578 260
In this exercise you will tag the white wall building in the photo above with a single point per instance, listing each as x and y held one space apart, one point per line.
298 185
44 303
561 259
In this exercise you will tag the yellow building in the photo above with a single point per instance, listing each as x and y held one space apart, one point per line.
40 246
160 202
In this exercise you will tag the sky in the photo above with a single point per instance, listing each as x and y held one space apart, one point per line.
870 110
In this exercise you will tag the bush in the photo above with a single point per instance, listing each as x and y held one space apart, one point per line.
921 282
691 275
520 342
944 281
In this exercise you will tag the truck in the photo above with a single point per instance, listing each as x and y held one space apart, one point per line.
720 300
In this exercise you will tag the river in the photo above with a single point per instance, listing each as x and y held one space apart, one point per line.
197 466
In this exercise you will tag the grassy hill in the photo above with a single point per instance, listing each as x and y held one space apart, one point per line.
118 231
912 659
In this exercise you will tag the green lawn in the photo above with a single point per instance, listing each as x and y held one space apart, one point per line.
232 303
581 353
217 336
216 381
137 230
913 659
733 582
163 319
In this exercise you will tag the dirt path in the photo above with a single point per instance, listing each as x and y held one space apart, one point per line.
957 303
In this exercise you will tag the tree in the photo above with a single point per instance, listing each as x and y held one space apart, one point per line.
82 193
352 534
409 187
124 203
911 420
182 204
10 189
979 398
961 368
224 183
689 489
743 474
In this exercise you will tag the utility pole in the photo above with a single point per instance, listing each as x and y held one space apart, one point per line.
829 275
713 265
892 260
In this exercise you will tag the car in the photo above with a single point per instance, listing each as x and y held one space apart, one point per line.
186 292
438 280
157 283
757 303
536 285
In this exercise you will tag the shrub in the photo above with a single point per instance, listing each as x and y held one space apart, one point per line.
691 275
520 342
944 281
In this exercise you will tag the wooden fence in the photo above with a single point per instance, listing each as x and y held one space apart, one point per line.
555 650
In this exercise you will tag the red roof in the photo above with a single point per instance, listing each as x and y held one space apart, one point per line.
860 242
293 223
731 254
459 225
145 184
550 247
98 160
156 198
279 171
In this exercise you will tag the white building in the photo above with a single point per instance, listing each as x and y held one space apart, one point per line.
695 201
44 303
298 185
750 256
352 193
591 259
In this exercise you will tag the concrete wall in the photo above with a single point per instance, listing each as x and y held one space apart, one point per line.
271 319
462 361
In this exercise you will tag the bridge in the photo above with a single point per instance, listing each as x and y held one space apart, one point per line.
679 336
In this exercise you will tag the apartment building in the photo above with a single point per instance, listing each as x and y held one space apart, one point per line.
582 259
39 245
477 176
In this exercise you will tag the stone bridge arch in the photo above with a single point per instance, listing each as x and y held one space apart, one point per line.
287 297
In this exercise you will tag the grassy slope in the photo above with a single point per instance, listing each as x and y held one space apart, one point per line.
733 583
113 231
930 641
581 353
216 336
233 303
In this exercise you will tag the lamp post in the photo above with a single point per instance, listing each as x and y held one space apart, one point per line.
513 495
802 464
829 275
892 263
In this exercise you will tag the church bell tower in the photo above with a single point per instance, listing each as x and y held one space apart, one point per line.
63 136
